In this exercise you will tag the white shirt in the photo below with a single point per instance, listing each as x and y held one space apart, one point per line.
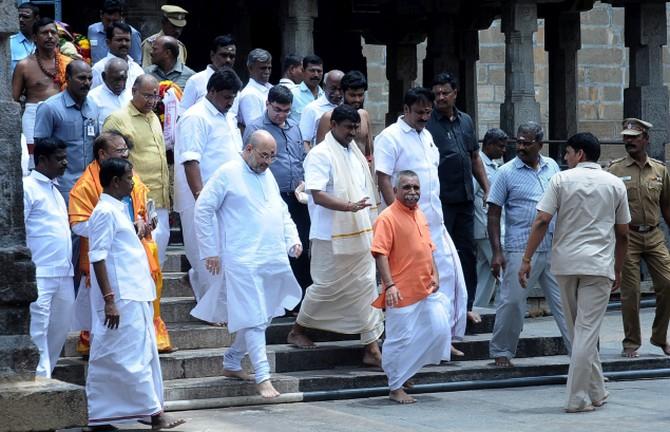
205 135
319 176
400 147
288 83
252 101
196 88
134 70
47 228
309 120
112 238
107 102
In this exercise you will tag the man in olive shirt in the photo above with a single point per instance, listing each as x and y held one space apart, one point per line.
648 186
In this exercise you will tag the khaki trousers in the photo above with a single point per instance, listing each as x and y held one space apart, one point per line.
584 300
651 247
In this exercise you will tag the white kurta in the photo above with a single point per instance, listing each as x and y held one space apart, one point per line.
400 147
257 233
124 379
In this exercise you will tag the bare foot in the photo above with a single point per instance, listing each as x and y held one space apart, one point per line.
267 390
240 374
409 384
474 317
456 352
216 324
300 340
372 355
601 402
503 362
665 347
168 350
401 397
587 408
630 353
164 421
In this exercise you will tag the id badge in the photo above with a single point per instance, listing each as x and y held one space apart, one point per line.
90 128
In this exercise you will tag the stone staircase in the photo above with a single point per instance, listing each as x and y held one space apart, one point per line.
193 378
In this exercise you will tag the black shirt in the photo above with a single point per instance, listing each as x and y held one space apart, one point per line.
456 140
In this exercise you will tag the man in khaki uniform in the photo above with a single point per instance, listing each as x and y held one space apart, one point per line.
648 186
172 24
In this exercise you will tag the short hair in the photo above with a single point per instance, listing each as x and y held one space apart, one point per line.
494 135
291 60
531 127
446 78
221 41
405 173
345 112
109 31
418 94
258 55
103 141
113 167
72 65
34 8
311 59
587 142
43 21
171 45
224 79
281 95
111 6
353 80
46 147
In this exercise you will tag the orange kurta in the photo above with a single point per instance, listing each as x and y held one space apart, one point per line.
402 235
83 198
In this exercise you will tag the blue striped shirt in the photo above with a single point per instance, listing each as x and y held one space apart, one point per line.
518 188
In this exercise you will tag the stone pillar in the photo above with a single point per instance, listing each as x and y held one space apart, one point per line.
401 73
298 26
519 22
562 41
646 97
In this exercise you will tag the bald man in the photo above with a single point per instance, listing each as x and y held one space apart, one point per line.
138 122
165 63
112 94
259 237
331 99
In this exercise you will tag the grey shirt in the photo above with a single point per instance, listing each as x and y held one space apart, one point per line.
287 169
178 75
59 117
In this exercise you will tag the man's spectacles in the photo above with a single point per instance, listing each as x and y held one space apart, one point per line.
525 142
265 156
150 96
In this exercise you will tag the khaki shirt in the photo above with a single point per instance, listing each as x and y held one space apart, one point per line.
648 188
148 154
146 49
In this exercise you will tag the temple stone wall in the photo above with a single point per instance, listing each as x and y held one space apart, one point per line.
603 74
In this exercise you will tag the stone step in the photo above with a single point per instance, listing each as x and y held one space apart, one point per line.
175 284
177 309
175 236
227 392
175 260
198 363
185 336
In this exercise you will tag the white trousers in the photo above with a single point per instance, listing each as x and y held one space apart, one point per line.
162 233
201 280
249 340
28 129
50 320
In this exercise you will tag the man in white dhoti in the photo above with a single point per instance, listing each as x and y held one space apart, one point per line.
207 137
342 206
259 236
417 315
124 380
408 145
48 238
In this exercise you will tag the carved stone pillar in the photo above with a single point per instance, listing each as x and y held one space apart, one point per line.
562 41
646 97
519 22
298 27
401 72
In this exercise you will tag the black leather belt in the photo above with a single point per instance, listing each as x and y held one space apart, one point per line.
642 228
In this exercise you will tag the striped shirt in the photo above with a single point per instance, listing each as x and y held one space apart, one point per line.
518 188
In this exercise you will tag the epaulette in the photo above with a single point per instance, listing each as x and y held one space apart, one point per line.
656 160
616 161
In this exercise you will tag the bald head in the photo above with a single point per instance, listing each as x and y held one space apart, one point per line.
79 76
260 151
76 66
145 93
115 75
165 52
332 87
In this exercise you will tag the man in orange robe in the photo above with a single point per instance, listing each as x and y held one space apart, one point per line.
418 332
83 198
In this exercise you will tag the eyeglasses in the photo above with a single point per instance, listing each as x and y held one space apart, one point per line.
525 142
265 156
150 96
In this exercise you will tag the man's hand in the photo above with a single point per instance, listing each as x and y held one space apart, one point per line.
435 283
296 250
484 199
524 274
112 317
392 296
617 281
213 265
141 228
497 263
359 205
